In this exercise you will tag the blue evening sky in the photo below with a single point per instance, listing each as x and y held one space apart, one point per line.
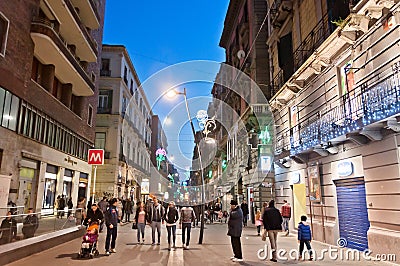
158 34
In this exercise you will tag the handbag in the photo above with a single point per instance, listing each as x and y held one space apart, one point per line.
134 226
264 235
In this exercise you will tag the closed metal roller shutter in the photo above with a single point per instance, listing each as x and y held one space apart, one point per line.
353 212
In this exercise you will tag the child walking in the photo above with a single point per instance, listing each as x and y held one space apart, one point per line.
304 237
259 222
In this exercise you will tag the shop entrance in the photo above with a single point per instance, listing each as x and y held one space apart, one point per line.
353 212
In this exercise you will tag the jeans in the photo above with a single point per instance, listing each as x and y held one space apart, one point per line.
185 226
273 237
171 231
127 217
236 247
286 224
111 233
258 229
245 217
301 247
140 229
154 226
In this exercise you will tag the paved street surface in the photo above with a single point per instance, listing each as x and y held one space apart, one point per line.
216 250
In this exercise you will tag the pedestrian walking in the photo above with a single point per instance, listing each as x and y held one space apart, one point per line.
128 210
171 217
235 227
111 220
304 237
155 215
245 209
259 222
80 212
61 206
56 204
30 224
8 229
286 214
197 210
187 218
94 215
103 205
272 220
120 207
70 205
140 220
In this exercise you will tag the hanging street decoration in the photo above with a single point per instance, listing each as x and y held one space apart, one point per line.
161 155
265 136
209 126
202 118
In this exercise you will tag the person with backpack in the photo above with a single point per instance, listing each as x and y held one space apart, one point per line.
187 218
304 237
170 217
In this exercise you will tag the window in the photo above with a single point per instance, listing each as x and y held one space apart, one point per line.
105 67
4 25
105 101
100 142
131 87
90 115
126 75
9 107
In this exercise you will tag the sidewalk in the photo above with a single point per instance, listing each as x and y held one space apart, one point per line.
216 250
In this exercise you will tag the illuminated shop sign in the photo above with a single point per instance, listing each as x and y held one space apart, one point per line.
345 168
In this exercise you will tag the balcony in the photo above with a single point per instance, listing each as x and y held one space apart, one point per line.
88 12
73 30
277 82
353 115
51 49
280 10
312 41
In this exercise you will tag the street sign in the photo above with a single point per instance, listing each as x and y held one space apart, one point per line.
96 157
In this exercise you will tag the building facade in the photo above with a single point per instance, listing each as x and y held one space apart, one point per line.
334 72
243 38
49 69
123 127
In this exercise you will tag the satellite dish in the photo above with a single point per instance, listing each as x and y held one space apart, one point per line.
241 54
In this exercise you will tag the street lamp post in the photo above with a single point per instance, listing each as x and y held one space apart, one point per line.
172 93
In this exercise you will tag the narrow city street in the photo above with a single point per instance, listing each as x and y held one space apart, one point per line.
216 250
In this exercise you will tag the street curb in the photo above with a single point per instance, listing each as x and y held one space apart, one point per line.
24 248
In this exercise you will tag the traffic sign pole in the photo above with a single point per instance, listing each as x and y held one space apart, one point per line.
94 182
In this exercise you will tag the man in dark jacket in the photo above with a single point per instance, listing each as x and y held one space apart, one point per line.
31 223
155 217
235 228
111 218
272 220
245 209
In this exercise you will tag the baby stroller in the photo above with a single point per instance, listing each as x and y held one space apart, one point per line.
89 242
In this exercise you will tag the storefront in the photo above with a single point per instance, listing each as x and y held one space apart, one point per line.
83 184
351 202
50 186
28 182
297 183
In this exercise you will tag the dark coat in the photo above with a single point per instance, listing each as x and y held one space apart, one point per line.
8 230
128 207
272 219
137 215
245 208
61 204
111 216
31 223
94 216
151 213
171 215
304 232
235 222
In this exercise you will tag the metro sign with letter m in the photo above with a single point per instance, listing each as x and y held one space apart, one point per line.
96 157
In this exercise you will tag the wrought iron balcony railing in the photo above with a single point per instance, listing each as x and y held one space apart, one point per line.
352 112
312 41
277 82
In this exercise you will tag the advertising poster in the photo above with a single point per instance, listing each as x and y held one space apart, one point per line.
314 184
